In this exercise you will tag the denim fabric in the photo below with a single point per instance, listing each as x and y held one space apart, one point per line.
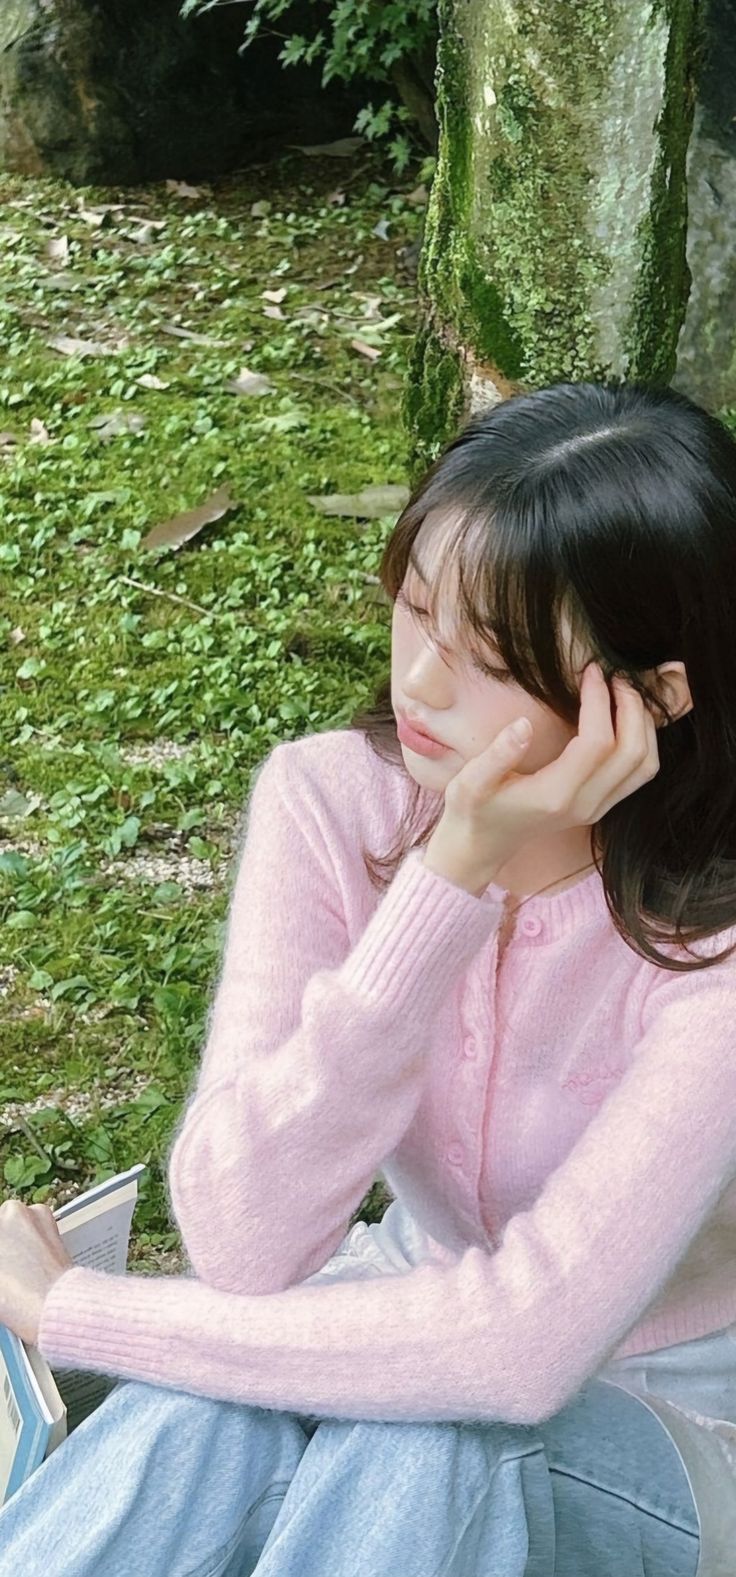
163 1483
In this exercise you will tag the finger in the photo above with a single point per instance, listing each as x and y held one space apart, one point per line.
633 751
646 767
45 1222
562 779
492 764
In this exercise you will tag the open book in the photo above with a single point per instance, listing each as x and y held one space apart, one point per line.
37 1408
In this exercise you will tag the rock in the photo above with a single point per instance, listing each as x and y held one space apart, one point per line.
122 91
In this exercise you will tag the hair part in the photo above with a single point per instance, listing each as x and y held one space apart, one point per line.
615 503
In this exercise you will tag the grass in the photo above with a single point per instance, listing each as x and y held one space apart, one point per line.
131 721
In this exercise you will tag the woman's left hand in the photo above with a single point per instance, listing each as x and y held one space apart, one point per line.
32 1258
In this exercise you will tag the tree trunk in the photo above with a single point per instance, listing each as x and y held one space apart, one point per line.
706 349
555 242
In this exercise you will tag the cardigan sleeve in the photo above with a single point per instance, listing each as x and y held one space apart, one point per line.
315 1058
509 1335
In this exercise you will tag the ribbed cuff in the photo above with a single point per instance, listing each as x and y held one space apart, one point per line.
423 920
104 1324
61 1339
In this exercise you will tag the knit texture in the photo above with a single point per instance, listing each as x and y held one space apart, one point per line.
559 1118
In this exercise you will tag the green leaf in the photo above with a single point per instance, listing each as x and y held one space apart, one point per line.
167 892
293 51
30 668
14 804
40 980
64 988
129 831
12 863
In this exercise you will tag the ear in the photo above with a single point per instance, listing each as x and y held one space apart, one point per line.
670 682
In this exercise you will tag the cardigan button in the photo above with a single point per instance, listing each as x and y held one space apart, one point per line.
470 1048
455 1154
531 925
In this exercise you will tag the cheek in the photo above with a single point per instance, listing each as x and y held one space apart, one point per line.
490 706
551 736
486 707
403 643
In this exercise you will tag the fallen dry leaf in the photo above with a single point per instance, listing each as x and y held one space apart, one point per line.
117 423
197 339
365 350
99 208
80 347
57 248
17 635
59 279
8 440
274 312
95 217
274 295
144 219
371 503
181 189
250 383
174 533
143 235
148 380
371 306
342 148
39 433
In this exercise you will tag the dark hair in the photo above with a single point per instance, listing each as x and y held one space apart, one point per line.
616 502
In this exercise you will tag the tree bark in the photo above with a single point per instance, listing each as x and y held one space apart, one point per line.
555 245
706 349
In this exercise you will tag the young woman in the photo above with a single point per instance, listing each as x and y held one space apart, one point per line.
528 1367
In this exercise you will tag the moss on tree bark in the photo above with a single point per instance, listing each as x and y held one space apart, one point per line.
555 243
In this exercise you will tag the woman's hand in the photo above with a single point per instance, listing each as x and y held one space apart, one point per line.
32 1258
490 810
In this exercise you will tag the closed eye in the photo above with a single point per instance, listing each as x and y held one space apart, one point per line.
493 673
488 669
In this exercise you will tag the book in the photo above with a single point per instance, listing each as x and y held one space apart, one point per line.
38 1407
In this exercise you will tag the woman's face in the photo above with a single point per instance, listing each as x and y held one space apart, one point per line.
436 679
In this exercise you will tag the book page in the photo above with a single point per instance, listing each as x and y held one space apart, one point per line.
98 1236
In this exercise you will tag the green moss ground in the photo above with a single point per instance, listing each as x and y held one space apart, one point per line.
105 979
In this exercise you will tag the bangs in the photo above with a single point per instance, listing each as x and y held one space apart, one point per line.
499 592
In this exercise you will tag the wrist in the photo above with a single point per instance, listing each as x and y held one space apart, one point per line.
456 871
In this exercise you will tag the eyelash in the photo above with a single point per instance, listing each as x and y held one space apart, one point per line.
485 668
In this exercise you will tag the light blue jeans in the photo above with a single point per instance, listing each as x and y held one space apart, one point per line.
163 1483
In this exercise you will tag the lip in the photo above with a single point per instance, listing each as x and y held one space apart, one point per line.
417 740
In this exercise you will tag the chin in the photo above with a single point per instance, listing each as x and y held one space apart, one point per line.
423 769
